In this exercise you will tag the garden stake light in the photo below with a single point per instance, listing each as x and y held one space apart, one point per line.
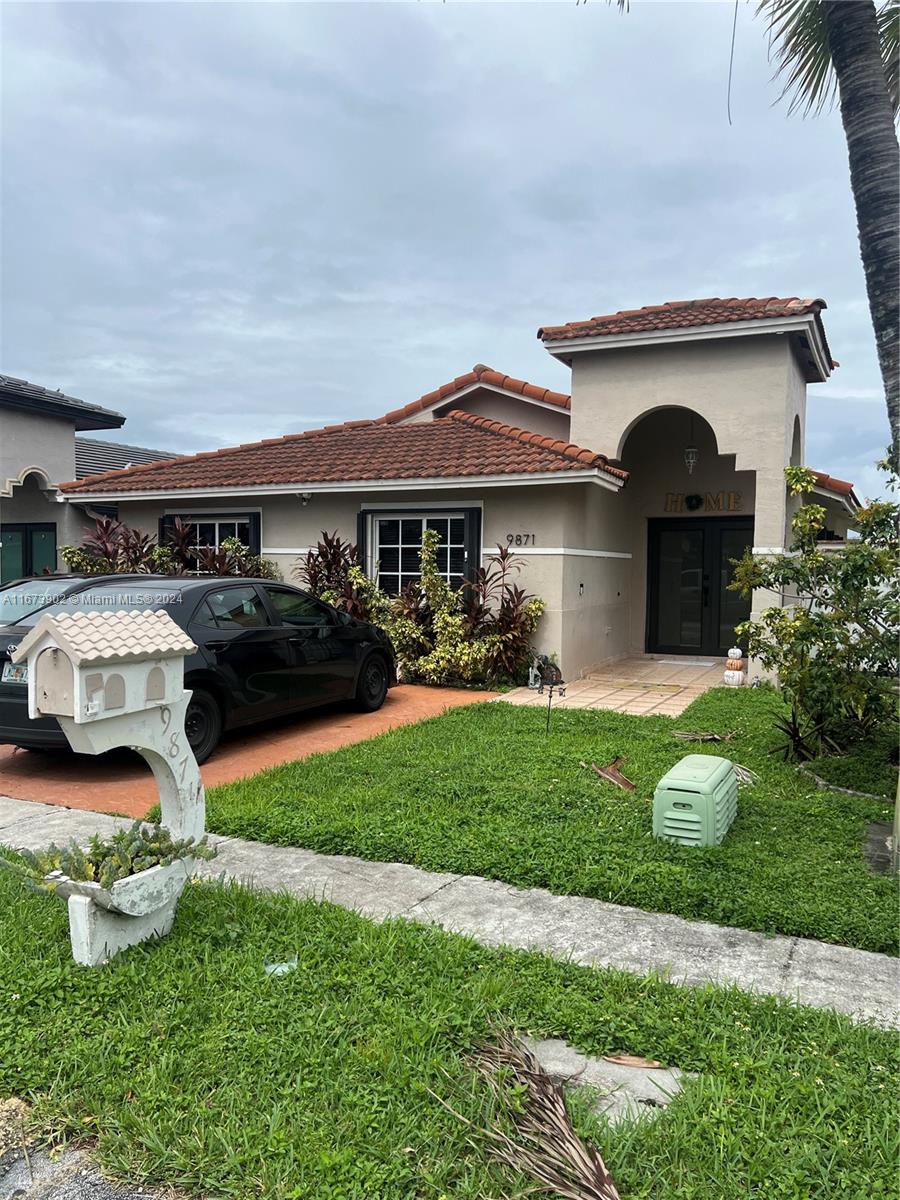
550 680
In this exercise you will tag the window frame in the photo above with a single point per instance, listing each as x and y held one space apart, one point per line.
266 589
215 517
235 587
368 540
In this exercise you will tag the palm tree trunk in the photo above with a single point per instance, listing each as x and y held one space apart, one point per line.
874 176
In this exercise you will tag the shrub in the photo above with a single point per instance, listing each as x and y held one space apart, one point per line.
479 634
835 648
114 548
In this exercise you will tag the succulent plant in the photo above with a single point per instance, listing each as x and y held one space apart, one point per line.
127 852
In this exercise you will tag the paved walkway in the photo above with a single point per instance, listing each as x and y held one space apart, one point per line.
639 686
584 931
121 783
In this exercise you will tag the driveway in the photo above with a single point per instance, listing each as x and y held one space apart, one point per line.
120 783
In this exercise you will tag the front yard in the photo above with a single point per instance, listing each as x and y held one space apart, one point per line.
484 791
192 1068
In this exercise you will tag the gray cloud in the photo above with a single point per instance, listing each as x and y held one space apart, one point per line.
236 220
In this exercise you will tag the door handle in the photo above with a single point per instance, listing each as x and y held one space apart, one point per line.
216 646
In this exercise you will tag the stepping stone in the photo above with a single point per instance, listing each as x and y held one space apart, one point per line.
621 1092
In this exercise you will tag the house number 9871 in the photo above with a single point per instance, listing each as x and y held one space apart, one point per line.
520 539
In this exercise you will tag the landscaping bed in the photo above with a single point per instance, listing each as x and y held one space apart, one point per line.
484 791
864 768
193 1068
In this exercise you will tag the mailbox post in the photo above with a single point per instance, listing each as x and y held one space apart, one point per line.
117 679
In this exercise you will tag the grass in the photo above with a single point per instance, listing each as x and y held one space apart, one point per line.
865 768
482 791
192 1068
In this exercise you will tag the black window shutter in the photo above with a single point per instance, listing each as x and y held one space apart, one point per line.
255 532
473 540
165 524
362 526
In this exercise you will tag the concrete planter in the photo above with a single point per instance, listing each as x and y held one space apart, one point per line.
103 921
117 679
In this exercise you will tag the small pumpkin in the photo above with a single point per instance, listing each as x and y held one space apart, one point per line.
734 678
734 664
735 652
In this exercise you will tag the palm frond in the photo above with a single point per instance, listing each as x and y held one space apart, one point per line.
545 1143
889 36
798 41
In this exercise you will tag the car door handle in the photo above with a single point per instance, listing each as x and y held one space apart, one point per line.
216 646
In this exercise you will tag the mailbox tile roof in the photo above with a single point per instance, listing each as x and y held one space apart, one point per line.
106 637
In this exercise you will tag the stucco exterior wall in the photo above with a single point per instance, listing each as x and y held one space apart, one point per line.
28 440
580 626
750 390
747 388
36 452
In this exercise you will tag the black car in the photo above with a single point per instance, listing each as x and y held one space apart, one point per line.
19 597
263 649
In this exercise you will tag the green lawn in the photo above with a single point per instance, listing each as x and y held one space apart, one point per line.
483 791
193 1068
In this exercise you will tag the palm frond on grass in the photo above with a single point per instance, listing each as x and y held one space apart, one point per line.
545 1143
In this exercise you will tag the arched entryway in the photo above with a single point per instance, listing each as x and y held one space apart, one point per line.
28 526
691 514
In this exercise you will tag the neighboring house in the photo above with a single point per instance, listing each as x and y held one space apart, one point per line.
38 449
624 502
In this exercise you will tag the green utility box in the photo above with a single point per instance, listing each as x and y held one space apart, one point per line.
696 801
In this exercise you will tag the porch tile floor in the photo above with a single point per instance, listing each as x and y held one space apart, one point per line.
638 686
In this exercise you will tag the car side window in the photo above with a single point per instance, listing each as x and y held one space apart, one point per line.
296 608
233 608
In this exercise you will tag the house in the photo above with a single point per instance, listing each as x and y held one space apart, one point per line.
39 447
624 502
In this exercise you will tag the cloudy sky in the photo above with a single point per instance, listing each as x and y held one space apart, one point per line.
232 221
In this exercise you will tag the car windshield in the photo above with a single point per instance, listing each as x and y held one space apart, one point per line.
114 598
20 599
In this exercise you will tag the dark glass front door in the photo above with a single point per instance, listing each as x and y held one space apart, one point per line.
690 608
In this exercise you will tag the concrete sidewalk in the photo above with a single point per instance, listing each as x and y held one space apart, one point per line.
589 932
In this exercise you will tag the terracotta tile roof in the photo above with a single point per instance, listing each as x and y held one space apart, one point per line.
682 314
828 483
459 445
103 636
479 374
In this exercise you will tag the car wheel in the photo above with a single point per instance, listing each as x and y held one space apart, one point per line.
202 724
372 686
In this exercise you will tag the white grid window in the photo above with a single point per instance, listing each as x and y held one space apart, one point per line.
398 546
210 531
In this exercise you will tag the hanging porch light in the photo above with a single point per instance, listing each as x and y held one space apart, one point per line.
691 453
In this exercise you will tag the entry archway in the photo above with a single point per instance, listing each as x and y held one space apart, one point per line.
691 514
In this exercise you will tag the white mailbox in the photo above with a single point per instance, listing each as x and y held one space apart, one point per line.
93 665
117 679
